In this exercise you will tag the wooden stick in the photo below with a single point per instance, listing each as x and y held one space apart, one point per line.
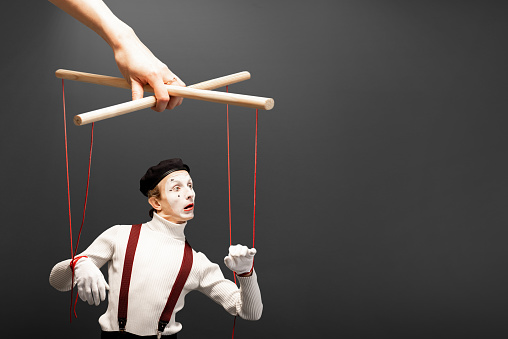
186 92
122 83
146 102
193 92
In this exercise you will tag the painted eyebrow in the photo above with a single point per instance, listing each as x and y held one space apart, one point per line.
180 182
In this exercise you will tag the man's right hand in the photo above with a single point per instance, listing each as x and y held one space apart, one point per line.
91 284
140 67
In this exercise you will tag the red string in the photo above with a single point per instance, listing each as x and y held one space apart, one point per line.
86 192
74 250
229 171
255 177
68 197
75 261
229 177
234 323
229 189
67 167
229 194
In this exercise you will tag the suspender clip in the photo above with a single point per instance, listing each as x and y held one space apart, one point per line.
160 328
121 324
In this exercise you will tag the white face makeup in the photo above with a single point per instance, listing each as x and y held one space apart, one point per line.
177 197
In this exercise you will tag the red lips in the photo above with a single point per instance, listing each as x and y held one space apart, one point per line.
189 207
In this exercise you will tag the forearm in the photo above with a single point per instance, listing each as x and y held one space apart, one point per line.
251 306
98 17
99 252
61 276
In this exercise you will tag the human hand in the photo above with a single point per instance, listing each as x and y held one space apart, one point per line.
240 259
91 283
140 67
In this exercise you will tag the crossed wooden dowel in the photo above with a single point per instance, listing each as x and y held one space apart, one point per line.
199 91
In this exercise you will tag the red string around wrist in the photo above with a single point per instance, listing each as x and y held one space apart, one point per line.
74 261
246 274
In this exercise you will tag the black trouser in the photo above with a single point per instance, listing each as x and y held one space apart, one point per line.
127 335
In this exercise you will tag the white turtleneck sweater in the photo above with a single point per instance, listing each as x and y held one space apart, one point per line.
156 265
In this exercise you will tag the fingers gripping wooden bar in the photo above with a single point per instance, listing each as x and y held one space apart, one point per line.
198 91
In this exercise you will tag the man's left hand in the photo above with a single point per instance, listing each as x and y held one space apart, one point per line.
240 259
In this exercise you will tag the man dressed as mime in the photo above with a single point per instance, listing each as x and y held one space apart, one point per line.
158 261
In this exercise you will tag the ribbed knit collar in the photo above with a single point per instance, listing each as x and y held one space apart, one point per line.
159 224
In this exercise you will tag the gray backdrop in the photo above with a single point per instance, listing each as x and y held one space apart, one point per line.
381 172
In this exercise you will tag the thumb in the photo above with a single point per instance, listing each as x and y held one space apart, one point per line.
137 90
228 261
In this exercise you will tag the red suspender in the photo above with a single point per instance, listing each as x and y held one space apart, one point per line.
176 290
126 275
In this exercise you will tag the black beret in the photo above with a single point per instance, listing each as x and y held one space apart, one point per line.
158 172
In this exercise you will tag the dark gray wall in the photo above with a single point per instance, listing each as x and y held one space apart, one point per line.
382 183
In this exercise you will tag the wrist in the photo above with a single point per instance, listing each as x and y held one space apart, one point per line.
74 261
246 274
120 37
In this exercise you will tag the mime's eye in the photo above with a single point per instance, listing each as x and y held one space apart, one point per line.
176 188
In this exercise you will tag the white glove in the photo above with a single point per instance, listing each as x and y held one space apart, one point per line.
91 283
240 259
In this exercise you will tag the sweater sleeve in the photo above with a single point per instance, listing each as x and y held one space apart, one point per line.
100 252
244 301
